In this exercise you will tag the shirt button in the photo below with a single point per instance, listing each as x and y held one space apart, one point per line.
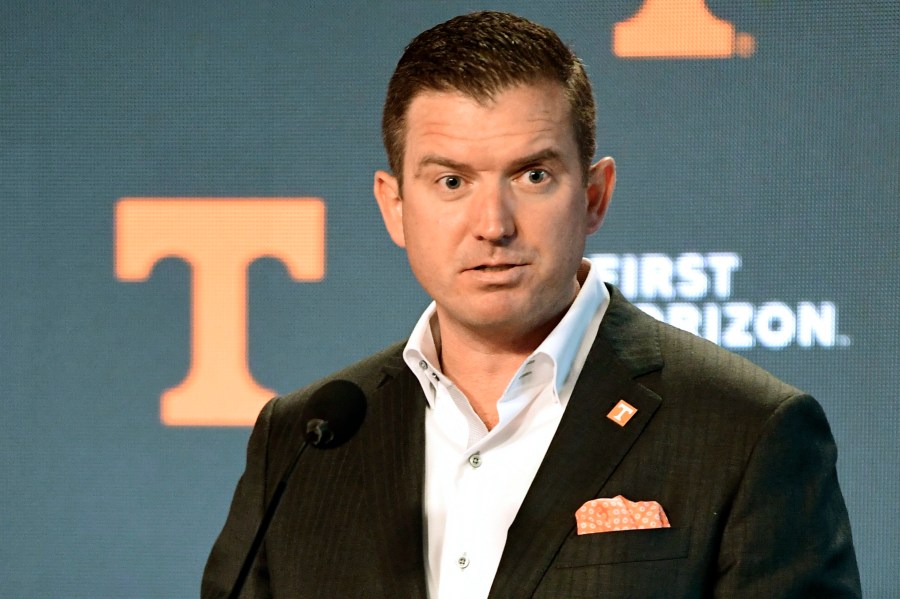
462 562
475 460
423 365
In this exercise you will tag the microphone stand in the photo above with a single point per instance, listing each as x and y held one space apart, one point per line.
317 433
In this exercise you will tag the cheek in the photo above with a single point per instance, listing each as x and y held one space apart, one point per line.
559 230
423 249
434 228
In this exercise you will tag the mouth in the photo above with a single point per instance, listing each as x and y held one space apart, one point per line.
495 267
497 271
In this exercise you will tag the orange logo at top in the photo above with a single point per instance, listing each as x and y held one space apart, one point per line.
679 29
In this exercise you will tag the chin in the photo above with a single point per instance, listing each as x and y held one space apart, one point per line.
501 322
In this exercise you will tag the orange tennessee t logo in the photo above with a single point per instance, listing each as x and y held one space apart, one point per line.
219 238
679 29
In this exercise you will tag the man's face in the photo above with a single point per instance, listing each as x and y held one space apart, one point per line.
494 210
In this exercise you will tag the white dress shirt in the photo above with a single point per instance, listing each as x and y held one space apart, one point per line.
475 479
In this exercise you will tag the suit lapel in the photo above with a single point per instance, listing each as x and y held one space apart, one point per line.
396 467
587 446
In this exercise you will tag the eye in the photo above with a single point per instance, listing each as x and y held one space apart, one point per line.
451 182
536 176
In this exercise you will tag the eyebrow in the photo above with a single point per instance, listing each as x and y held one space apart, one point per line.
438 160
545 155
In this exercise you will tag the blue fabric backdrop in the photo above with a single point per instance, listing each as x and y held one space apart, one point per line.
785 160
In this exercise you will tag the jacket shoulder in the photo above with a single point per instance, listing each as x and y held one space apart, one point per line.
674 362
368 373
703 368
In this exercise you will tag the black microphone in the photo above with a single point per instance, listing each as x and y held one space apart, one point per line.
331 416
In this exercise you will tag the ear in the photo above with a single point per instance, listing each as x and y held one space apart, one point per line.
387 193
601 182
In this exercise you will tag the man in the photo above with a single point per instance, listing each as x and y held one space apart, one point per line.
528 388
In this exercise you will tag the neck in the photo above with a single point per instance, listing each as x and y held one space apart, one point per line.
481 363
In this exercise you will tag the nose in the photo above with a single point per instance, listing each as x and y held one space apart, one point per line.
492 213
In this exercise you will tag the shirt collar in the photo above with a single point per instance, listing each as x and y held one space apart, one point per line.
560 346
562 343
420 353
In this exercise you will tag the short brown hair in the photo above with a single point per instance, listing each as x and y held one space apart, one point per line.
481 54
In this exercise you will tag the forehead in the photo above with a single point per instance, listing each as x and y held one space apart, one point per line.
523 116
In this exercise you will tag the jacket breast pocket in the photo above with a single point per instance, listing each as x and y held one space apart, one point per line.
624 546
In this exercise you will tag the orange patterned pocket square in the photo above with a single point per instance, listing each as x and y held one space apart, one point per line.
618 513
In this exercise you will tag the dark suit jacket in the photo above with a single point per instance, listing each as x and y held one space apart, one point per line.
743 464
